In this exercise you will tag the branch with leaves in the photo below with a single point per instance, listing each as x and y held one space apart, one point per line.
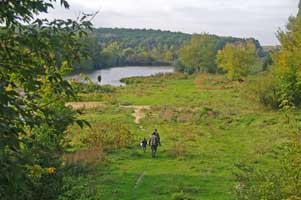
35 54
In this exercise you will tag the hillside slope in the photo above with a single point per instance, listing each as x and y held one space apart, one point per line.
208 126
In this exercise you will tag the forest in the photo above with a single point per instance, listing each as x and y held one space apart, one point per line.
109 47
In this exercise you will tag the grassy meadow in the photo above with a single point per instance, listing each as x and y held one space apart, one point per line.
209 126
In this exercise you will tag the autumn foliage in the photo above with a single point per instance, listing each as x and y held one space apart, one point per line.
237 59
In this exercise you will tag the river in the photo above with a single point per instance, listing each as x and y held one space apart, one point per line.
112 76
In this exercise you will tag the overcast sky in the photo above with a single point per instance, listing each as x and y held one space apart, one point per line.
239 18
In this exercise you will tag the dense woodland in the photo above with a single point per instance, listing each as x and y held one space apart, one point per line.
110 47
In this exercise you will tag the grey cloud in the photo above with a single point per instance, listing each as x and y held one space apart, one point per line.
240 18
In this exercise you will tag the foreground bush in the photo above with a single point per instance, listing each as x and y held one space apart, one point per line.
265 90
35 54
287 61
109 136
283 180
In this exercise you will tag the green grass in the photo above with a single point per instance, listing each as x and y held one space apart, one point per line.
214 121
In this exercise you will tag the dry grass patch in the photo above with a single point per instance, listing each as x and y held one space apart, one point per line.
177 114
215 82
85 105
90 156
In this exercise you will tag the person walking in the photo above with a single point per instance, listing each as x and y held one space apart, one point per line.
144 144
153 143
158 136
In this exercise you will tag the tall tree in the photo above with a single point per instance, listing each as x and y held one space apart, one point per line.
199 54
287 61
34 55
93 61
236 59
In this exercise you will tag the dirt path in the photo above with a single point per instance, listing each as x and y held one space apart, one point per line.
138 112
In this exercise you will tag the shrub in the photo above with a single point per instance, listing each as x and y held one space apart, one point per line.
265 90
109 136
91 87
283 182
131 80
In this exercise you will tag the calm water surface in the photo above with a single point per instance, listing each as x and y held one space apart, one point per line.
112 76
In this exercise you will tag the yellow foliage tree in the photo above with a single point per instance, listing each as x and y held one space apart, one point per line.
236 59
287 61
168 56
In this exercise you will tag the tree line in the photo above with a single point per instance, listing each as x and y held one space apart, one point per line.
109 47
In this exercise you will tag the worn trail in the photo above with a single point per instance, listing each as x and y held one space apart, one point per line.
139 111
138 181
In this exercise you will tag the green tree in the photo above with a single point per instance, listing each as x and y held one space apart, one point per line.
267 61
94 49
156 53
128 56
236 59
287 61
34 55
283 182
144 58
199 54
111 55
168 56
128 52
